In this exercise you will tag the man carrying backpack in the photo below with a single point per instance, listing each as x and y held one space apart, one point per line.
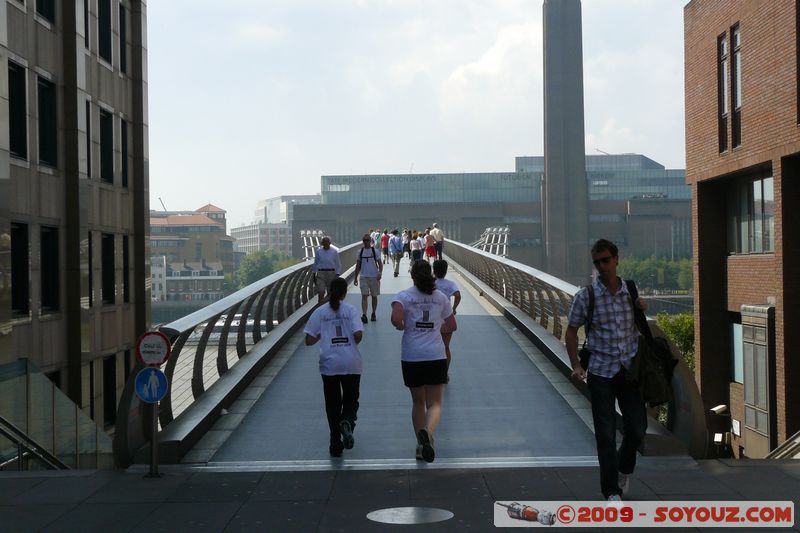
612 341
370 267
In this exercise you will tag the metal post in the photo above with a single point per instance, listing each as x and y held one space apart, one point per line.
154 445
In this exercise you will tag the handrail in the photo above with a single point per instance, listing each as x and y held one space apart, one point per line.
18 437
207 343
789 449
546 300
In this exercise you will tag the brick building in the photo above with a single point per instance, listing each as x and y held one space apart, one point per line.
742 162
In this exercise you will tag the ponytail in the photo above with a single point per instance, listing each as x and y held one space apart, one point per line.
337 292
423 279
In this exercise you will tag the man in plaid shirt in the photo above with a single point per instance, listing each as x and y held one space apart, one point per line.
612 340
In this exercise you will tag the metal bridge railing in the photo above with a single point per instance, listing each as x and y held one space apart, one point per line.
208 343
546 300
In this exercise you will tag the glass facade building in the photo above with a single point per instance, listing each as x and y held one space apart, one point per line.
615 177
623 177
431 188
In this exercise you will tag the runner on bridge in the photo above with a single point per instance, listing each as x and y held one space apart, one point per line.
337 328
423 313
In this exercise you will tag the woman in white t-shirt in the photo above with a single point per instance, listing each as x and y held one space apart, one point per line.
422 313
450 289
337 328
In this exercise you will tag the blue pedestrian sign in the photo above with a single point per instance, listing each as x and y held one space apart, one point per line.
151 385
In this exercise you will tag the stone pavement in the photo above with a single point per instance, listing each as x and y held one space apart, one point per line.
190 498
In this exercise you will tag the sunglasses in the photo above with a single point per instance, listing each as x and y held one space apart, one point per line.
603 260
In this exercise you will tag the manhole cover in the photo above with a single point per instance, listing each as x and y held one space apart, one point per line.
409 515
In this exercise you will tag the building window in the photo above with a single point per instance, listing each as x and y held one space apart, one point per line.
88 139
107 267
86 23
751 216
46 9
124 141
736 87
737 354
20 284
17 111
49 268
198 251
126 278
722 91
106 147
123 56
109 390
48 133
90 261
104 29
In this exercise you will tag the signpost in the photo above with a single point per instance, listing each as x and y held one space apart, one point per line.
152 350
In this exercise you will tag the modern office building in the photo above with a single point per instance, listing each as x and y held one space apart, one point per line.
263 236
633 200
74 262
280 209
743 165
272 229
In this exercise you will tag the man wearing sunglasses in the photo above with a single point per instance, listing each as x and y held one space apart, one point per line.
612 340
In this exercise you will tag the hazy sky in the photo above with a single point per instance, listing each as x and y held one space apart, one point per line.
251 99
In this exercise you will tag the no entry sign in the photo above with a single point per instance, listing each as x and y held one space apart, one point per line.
153 348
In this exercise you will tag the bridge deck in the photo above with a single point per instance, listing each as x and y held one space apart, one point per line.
498 405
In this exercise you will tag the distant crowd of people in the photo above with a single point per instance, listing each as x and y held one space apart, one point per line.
424 313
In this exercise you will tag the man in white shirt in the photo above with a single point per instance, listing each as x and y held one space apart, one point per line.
370 267
327 267
438 237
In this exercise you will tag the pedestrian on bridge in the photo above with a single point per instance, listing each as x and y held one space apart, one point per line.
327 266
369 269
396 251
451 290
438 237
423 313
612 340
337 328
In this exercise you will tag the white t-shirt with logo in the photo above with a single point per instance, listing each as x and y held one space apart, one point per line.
424 315
448 287
338 352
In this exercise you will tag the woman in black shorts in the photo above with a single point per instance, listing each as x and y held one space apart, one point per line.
423 313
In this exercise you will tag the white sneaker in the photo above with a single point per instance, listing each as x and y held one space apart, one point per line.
615 500
624 482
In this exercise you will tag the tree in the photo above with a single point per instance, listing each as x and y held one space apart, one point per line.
261 264
680 330
657 272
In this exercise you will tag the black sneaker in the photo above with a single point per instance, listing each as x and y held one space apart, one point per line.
336 448
373 317
426 441
395 274
347 434
364 319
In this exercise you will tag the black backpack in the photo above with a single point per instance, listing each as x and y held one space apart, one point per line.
361 256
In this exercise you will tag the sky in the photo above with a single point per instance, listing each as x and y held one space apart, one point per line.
263 97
